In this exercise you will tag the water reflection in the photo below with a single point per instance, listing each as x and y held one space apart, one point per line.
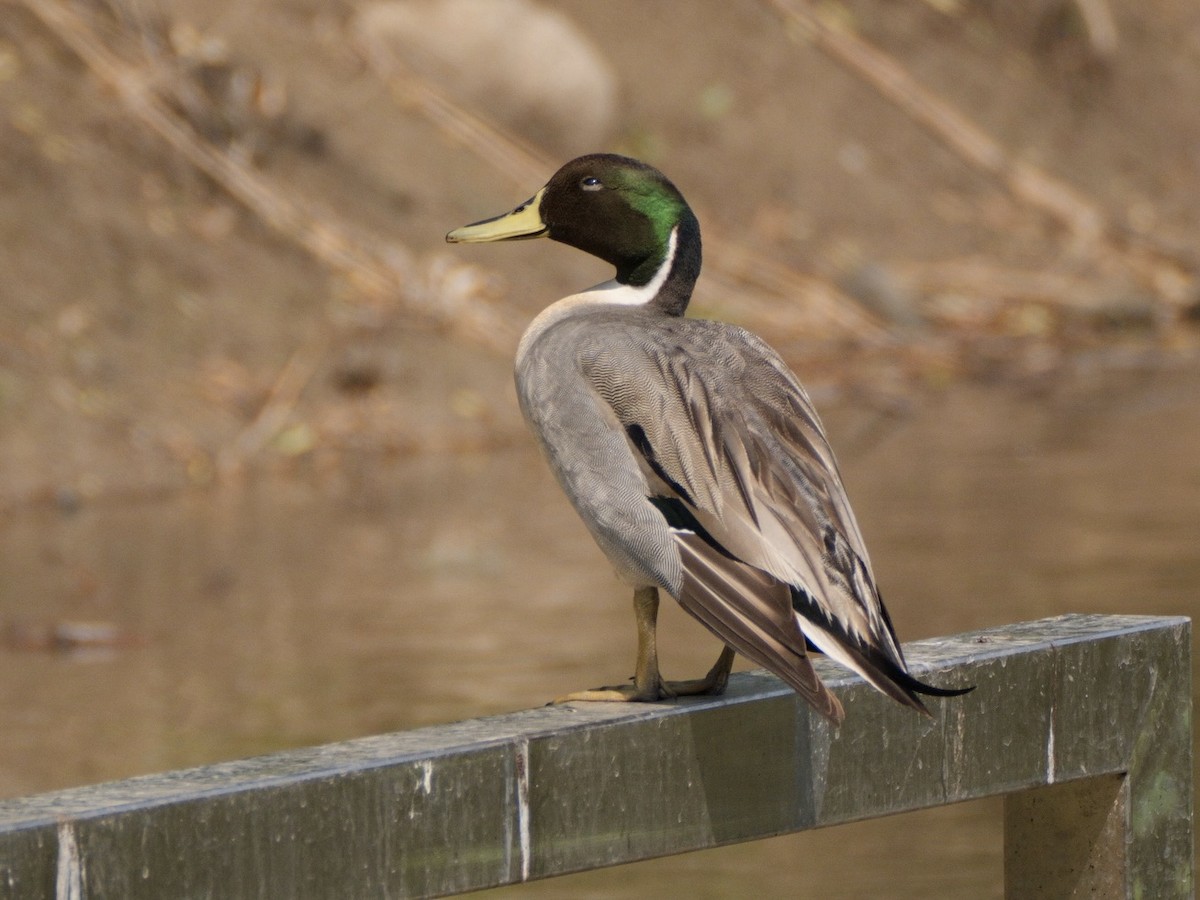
286 614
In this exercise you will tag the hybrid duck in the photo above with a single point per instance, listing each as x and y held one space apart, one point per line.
690 450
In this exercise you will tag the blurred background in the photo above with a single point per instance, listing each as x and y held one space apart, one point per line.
263 482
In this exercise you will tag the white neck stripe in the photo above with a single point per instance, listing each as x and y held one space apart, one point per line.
607 293
628 295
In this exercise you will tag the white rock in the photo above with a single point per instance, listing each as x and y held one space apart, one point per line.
525 66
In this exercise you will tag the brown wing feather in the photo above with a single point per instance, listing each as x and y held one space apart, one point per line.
739 605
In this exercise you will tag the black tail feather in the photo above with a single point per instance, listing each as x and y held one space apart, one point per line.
903 686
905 680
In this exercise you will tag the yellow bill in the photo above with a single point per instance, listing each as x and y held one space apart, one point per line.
522 223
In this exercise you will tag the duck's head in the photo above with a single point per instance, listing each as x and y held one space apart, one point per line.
619 209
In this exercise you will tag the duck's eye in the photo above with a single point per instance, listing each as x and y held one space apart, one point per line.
590 183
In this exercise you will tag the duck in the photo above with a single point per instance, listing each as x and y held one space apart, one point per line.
691 451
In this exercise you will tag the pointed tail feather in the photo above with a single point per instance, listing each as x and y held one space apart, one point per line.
879 670
772 623
929 690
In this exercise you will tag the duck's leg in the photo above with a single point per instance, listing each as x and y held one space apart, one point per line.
712 683
648 685
647 682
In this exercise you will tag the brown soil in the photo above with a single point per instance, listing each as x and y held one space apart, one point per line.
148 318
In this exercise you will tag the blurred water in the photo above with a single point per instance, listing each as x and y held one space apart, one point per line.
402 594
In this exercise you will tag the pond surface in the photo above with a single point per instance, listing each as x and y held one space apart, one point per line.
397 594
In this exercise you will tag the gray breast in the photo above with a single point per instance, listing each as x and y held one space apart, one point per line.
588 449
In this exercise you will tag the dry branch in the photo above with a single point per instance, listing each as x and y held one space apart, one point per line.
1172 268
282 399
1101 27
503 151
1027 182
979 277
379 270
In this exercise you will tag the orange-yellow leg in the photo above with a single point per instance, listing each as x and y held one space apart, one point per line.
713 683
648 684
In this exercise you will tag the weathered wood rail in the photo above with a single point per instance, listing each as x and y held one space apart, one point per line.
1082 722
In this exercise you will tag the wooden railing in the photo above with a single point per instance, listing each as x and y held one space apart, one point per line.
1082 722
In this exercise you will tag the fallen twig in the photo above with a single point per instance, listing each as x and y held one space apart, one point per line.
984 278
376 269
1101 27
282 399
1093 233
1029 183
